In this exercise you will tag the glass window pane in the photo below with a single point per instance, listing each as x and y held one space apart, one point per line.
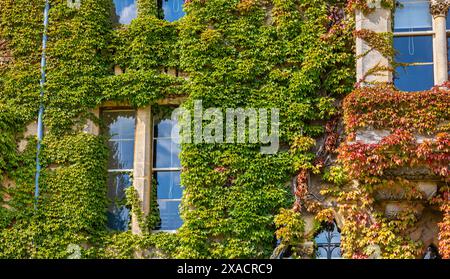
118 218
118 214
126 10
120 124
166 153
414 49
448 48
414 78
163 153
448 22
169 186
117 183
169 192
173 9
121 155
412 15
163 128
328 242
170 216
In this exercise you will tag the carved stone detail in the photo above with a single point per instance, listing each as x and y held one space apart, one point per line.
439 7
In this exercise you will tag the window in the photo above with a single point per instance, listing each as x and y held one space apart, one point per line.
328 242
173 9
126 10
120 128
431 253
166 171
413 41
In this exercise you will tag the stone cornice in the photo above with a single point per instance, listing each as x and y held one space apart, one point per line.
439 7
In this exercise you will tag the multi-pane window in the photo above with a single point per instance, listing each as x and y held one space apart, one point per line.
173 9
328 242
413 41
166 171
126 10
120 129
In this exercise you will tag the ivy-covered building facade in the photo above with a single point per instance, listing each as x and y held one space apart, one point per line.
364 147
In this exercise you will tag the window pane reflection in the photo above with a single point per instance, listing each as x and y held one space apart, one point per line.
169 186
173 9
448 22
120 128
118 214
328 242
121 155
119 124
126 10
166 148
414 78
412 15
170 216
414 49
167 170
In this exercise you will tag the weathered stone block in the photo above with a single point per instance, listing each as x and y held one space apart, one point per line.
369 136
428 188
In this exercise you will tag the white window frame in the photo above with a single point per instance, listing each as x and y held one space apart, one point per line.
431 33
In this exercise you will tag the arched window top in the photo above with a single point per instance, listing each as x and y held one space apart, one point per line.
328 241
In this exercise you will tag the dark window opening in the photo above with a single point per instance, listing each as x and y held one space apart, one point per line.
432 253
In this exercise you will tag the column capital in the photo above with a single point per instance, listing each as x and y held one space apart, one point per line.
439 7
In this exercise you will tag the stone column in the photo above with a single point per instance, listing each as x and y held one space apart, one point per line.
439 10
378 21
142 161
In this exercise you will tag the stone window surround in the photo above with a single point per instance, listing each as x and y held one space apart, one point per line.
381 21
143 150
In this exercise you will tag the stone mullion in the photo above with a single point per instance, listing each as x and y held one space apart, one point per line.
142 178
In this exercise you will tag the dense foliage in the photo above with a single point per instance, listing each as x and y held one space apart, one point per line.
405 115
295 55
259 54
417 127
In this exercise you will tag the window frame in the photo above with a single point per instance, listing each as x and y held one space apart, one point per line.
329 246
155 170
432 33
120 171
